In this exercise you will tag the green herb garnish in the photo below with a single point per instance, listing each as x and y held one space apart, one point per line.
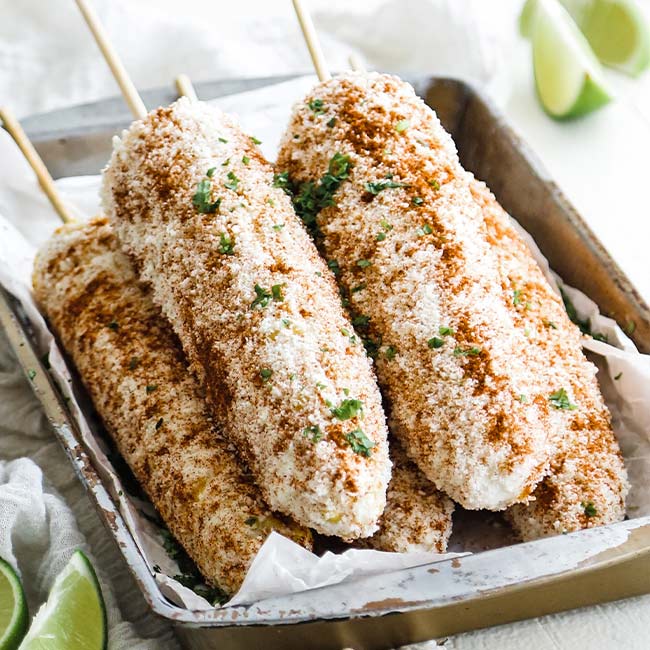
333 266
417 200
276 292
348 409
278 227
201 199
316 105
434 184
331 122
113 325
516 297
266 374
313 433
31 374
226 244
380 186
360 443
589 508
424 229
255 140
150 388
467 352
560 400
245 160
159 423
435 343
390 352
232 182
262 297
364 264
445 331
361 321
402 125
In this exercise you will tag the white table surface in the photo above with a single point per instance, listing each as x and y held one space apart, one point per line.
600 162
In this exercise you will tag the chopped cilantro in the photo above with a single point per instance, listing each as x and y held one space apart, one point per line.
316 105
255 140
572 313
226 244
380 236
282 181
286 322
516 297
359 287
380 186
311 197
232 182
313 433
402 125
589 508
114 325
331 122
251 521
364 264
434 184
133 363
201 199
435 343
266 374
226 162
417 200
522 398
223 140
278 227
551 324
390 352
630 327
467 352
31 374
360 443
276 292
151 388
159 424
349 408
425 229
333 266
245 160
445 331
263 297
560 400
361 321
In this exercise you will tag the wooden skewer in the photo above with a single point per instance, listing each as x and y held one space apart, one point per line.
185 88
44 179
127 87
311 38
356 63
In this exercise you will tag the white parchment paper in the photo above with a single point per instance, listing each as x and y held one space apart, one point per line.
281 566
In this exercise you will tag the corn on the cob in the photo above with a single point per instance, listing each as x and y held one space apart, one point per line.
257 314
404 233
135 372
587 483
417 516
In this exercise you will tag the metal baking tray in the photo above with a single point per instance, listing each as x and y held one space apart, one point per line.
430 601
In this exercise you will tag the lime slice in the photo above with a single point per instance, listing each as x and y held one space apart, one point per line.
568 77
618 33
73 618
13 608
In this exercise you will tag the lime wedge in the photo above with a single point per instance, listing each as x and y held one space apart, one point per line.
73 618
13 608
568 77
618 33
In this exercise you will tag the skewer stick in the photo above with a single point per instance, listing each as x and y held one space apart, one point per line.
311 39
356 63
44 179
127 87
185 88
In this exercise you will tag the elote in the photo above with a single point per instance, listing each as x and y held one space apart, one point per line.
135 372
258 315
